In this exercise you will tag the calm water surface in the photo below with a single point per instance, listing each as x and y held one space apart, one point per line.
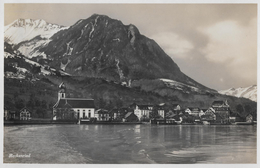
130 144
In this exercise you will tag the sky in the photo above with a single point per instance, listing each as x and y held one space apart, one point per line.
215 44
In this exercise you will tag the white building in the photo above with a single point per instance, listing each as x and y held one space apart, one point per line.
72 108
25 114
143 111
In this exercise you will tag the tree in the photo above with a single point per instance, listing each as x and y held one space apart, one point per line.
248 108
36 69
40 112
44 104
30 104
16 94
19 104
109 106
239 108
101 103
37 103
119 103
51 104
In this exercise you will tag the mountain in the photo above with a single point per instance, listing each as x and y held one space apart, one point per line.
246 92
26 29
100 58
29 35
105 48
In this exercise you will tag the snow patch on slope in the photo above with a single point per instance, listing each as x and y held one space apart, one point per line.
30 49
179 85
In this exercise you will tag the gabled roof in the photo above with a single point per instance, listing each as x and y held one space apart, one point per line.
101 111
218 103
23 109
128 114
210 109
171 115
193 108
75 103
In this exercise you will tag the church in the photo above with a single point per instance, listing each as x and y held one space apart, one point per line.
72 108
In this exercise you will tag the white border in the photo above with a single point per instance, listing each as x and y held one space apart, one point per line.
121 2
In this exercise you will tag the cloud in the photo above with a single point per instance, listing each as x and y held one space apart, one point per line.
173 44
234 46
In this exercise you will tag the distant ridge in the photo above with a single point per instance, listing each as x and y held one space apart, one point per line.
246 92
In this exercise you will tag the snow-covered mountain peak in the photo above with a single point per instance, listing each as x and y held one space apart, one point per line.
26 29
246 92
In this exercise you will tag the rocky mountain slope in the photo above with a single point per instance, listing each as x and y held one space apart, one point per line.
247 92
102 59
105 48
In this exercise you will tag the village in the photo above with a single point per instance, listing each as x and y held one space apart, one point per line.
83 111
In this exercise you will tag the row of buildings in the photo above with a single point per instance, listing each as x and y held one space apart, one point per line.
80 109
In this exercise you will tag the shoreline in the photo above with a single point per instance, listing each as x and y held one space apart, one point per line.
49 122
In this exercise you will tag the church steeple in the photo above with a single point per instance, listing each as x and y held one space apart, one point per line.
62 91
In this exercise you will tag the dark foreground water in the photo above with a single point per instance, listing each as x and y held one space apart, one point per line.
130 144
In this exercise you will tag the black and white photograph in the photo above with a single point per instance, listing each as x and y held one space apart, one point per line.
125 83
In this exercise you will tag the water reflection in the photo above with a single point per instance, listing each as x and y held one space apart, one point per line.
131 144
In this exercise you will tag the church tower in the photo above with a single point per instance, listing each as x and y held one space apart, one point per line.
62 91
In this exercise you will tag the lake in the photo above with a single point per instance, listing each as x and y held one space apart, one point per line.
130 144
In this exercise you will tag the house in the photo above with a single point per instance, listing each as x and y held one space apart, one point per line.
234 117
176 108
202 112
101 115
222 111
119 114
9 114
113 114
72 108
194 111
131 117
25 114
249 118
210 111
142 111
161 110
209 115
170 115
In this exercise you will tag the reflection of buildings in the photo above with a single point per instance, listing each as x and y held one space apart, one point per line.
137 130
72 108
